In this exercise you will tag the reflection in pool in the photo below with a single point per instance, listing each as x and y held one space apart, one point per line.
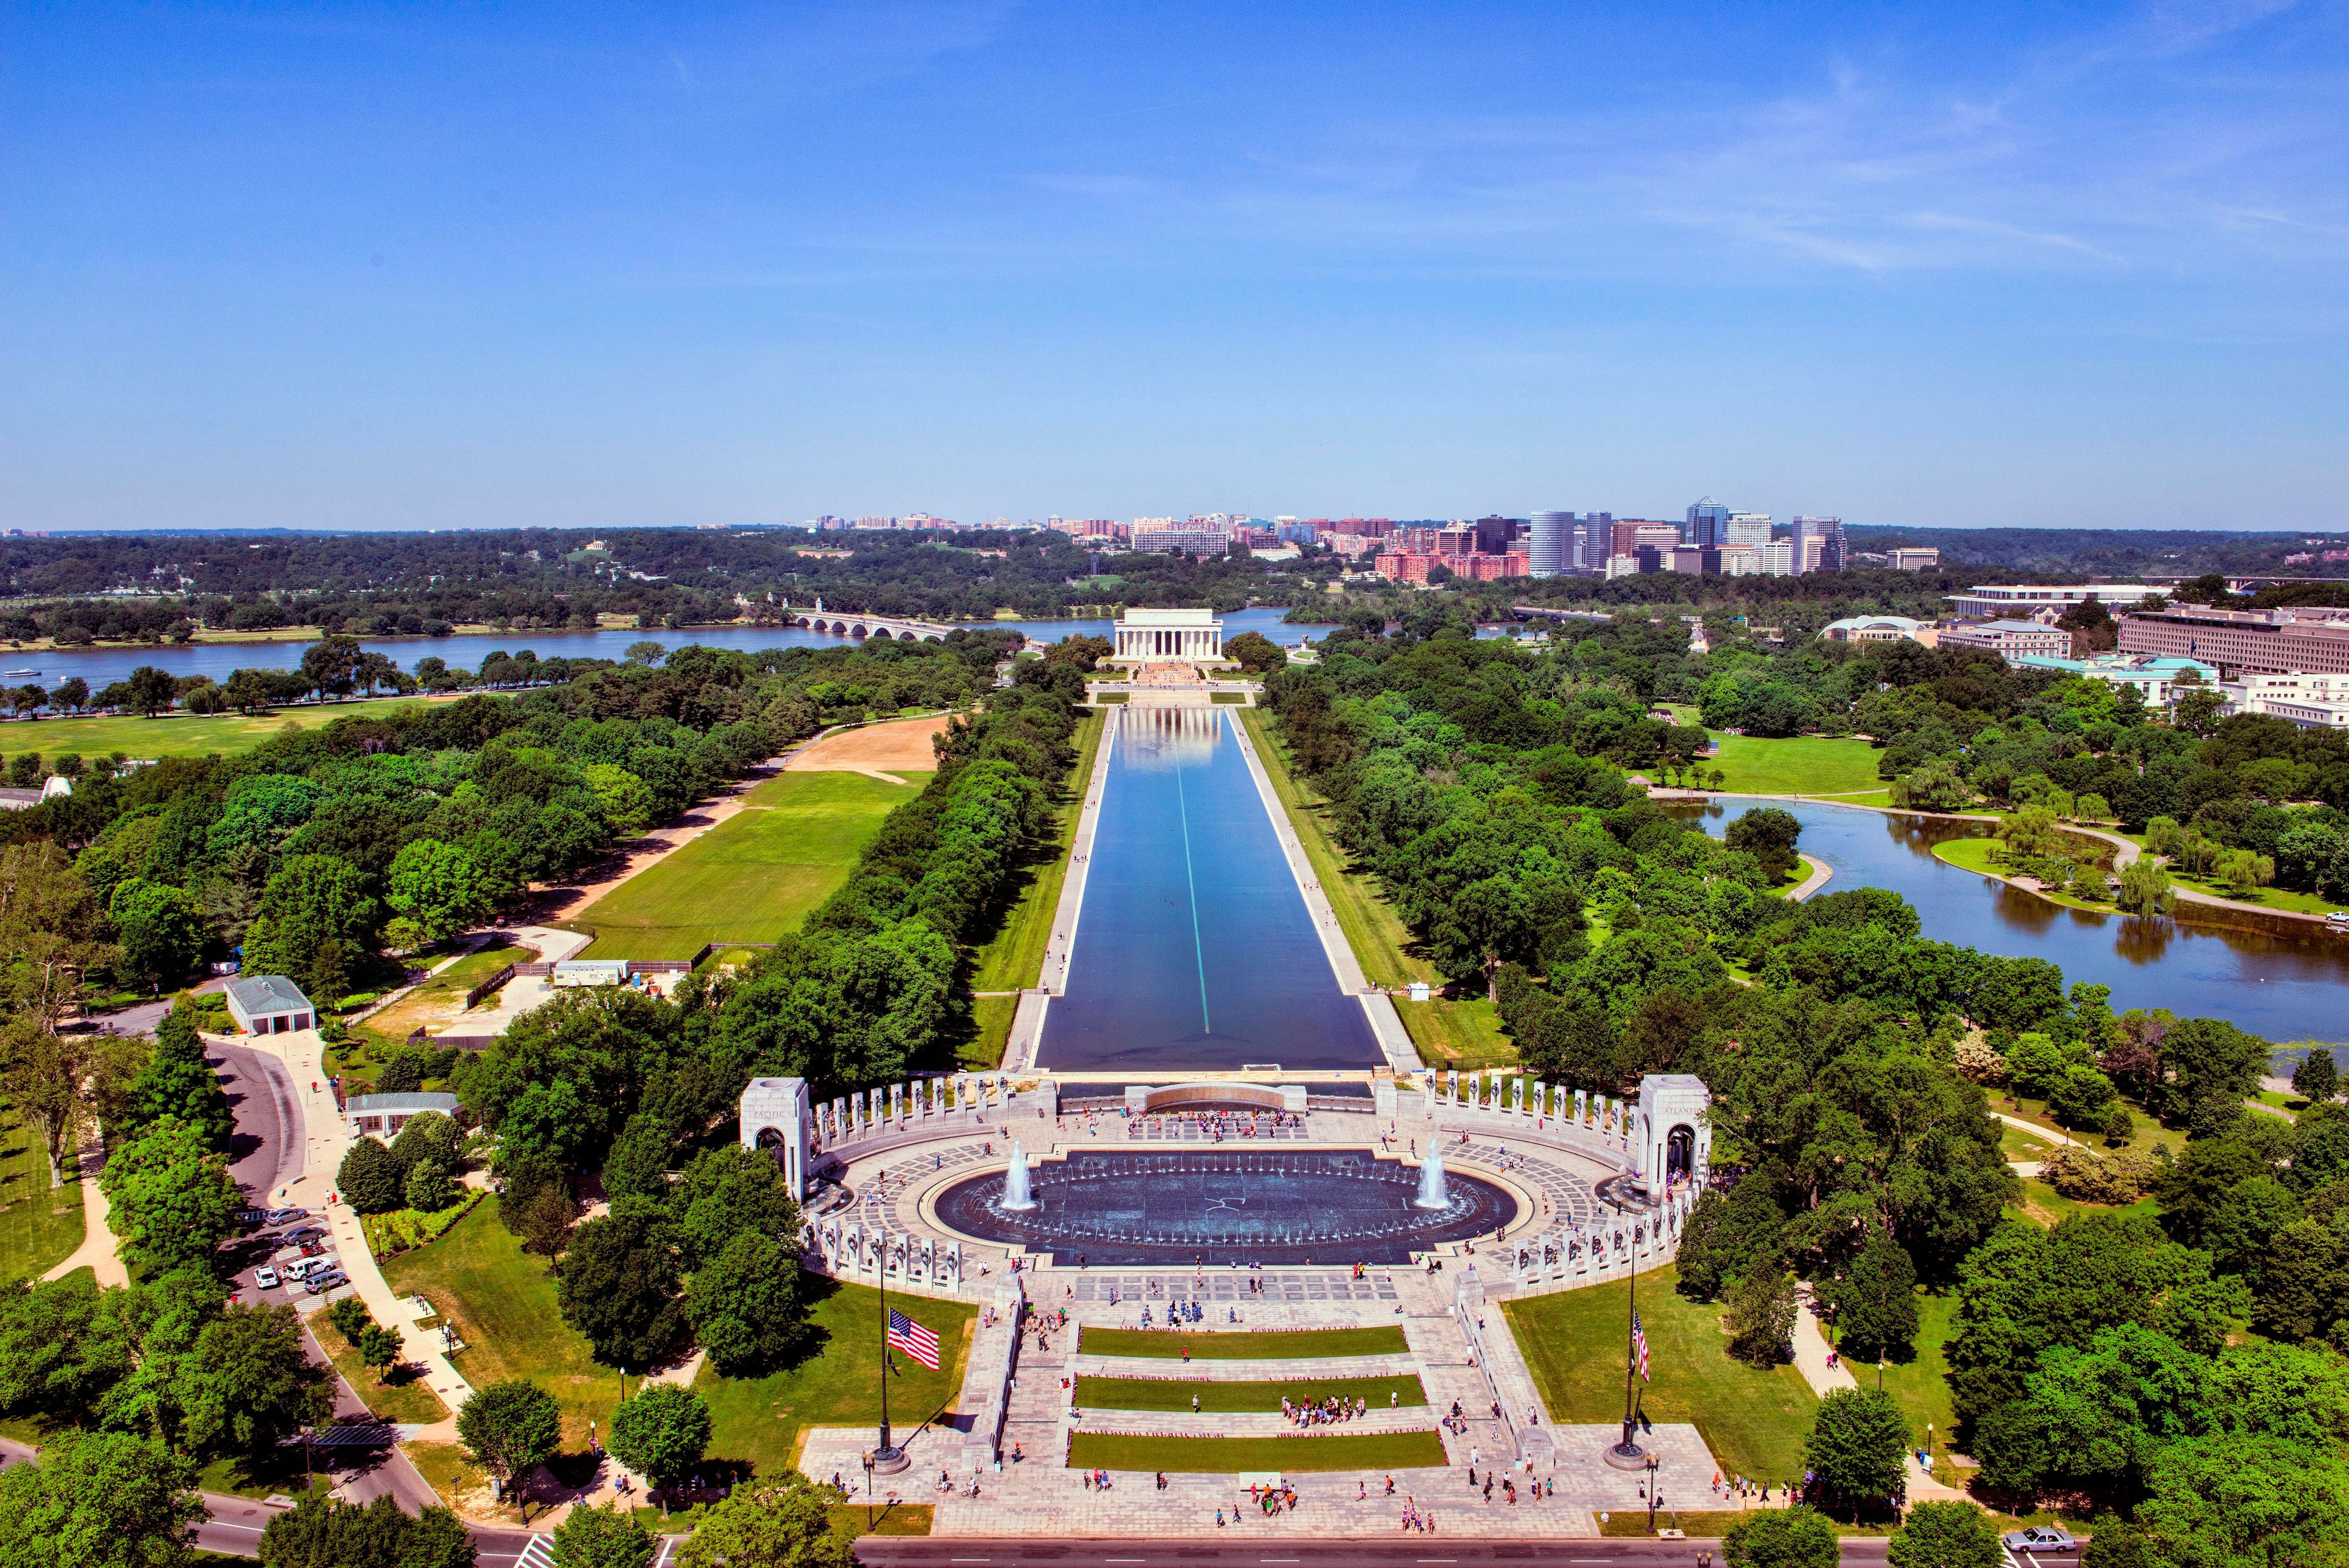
2286 981
1330 1206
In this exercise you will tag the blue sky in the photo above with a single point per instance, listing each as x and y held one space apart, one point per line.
449 266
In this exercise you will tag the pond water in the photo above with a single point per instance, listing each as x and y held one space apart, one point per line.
1193 949
2275 978
100 666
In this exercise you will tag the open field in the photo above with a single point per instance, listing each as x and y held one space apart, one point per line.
1798 765
1178 1393
40 1225
181 734
500 1300
1922 1383
1233 1455
1299 1344
901 746
1458 1034
1013 958
442 997
754 875
760 1419
1755 1422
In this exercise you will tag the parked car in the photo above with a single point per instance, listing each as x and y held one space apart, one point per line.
2038 1539
304 1233
264 1278
320 1284
280 1216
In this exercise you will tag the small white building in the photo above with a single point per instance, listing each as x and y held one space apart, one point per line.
382 1116
1879 628
13 798
269 1004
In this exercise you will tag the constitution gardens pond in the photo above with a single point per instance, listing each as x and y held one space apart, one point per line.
2282 980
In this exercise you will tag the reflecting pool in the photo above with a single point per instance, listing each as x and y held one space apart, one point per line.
2276 979
1194 947
1325 1206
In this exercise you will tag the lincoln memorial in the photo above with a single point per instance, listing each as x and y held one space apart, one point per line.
1169 637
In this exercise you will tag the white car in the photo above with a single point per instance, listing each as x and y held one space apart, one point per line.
264 1278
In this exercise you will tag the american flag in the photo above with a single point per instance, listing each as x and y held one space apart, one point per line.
1639 1342
911 1337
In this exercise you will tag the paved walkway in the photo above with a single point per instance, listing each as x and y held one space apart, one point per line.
1820 872
98 1250
1812 1354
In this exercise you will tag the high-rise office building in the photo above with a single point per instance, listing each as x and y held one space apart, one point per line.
1746 531
1708 524
1495 535
1554 541
1829 553
1594 540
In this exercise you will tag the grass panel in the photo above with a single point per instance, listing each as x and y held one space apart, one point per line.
404 1398
1303 1345
1461 1034
1754 1421
1230 1456
754 877
1177 1393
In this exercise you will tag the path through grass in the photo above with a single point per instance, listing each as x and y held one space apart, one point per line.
1753 1421
752 877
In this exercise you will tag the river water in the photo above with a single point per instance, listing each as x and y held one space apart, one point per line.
100 666
2286 982
1193 949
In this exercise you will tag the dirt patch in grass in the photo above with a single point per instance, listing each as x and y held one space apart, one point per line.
893 747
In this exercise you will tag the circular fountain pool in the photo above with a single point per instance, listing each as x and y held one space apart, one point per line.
1324 1206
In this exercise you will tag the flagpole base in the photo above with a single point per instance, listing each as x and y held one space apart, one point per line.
891 1461
1626 1456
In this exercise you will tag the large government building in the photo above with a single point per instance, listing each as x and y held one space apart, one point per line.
1169 637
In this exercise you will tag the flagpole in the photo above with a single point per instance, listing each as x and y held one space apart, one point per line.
887 1459
1627 1455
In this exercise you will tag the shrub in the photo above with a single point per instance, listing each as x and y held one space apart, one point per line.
371 1178
1762 1319
2081 1174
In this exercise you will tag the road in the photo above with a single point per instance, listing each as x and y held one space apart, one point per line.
268 1149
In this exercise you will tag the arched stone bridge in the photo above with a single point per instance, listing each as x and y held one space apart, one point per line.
846 625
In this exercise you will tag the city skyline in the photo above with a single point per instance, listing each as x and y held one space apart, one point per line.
354 266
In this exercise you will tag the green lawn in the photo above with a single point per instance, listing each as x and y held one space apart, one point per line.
1301 1344
753 877
1230 1456
1755 1422
500 1300
991 1019
1798 765
1380 939
40 1225
1922 1383
1461 1034
1975 854
181 734
1014 957
838 1383
1177 1393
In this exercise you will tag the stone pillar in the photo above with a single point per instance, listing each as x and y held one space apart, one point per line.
1382 1097
1518 1095
896 1110
1428 1092
1581 1104
1451 1086
839 1119
1048 1099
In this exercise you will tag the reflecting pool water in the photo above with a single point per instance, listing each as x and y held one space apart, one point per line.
1194 947
1329 1206
2276 979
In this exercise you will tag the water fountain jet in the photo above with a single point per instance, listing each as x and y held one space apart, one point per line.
1016 1195
1432 1192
